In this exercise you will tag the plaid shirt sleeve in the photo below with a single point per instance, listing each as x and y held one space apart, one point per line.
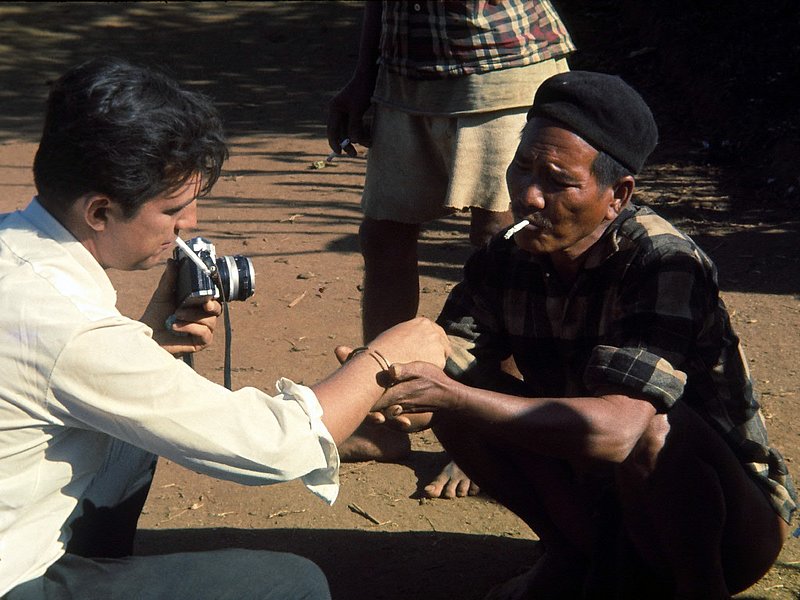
637 370
473 325
665 300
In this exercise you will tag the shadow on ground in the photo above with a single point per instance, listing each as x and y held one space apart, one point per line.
364 561
271 67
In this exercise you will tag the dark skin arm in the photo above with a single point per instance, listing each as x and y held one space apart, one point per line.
605 428
346 109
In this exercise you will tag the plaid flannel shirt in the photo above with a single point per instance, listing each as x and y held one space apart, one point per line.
643 316
439 39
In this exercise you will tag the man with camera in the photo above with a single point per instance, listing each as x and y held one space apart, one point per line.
89 397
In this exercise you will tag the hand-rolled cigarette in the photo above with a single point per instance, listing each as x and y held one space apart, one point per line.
343 145
516 228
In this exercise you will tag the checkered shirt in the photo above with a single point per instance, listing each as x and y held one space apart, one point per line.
644 316
425 40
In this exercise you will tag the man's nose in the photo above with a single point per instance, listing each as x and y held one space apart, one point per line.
532 195
188 217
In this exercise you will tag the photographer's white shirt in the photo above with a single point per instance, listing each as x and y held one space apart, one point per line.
76 375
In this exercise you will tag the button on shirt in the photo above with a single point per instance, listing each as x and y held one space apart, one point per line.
644 315
76 374
441 39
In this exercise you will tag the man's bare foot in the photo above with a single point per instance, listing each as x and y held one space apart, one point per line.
452 482
375 442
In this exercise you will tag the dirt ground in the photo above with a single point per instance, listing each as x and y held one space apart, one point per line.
271 67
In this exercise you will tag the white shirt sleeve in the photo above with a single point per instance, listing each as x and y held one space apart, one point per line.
112 377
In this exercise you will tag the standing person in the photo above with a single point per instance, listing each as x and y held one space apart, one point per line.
89 398
635 447
450 83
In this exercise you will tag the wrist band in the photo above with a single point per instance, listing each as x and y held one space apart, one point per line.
376 356
355 352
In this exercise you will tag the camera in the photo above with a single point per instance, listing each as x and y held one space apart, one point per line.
234 276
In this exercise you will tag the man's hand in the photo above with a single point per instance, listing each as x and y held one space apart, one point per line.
400 422
346 115
193 326
419 339
418 387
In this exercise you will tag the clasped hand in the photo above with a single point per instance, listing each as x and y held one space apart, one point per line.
193 326
416 388
415 382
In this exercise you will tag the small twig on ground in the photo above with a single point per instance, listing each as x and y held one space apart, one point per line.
294 302
291 218
360 511
431 524
283 513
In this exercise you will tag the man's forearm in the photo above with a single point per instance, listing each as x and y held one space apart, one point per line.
598 428
368 50
347 395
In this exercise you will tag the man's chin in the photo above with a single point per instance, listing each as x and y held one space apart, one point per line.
530 241
153 261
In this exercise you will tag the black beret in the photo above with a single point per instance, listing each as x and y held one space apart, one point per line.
603 110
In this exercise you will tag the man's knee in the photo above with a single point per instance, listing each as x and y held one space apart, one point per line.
262 574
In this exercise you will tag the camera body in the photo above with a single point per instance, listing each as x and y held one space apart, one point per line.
234 274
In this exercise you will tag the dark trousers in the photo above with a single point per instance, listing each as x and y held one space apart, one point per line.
231 574
98 564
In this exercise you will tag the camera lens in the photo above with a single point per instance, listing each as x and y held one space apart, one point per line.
237 275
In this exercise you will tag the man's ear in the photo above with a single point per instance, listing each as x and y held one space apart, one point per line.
96 209
622 192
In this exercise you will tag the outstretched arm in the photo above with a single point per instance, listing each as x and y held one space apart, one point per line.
605 427
349 393
346 109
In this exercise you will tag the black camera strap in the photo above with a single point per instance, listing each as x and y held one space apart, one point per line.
226 319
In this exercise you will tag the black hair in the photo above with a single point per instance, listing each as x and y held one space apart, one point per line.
125 131
607 170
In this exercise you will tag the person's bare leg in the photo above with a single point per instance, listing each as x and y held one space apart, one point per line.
375 442
485 224
390 296
452 482
693 513
391 275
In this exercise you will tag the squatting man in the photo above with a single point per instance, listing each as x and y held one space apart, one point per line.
633 445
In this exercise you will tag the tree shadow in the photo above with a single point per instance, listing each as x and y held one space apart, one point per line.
271 67
268 66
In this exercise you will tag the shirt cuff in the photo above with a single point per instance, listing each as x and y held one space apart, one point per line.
642 372
323 482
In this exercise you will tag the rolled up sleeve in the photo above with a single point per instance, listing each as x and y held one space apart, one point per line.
324 482
635 369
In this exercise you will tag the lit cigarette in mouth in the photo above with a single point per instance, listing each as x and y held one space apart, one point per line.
192 256
522 224
343 145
